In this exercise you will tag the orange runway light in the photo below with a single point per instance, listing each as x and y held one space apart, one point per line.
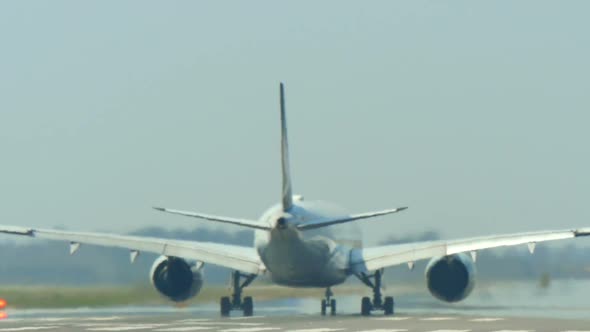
2 304
3 315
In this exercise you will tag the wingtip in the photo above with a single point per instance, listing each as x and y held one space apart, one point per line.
402 208
159 208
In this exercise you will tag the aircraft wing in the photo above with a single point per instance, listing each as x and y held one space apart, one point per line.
240 258
374 258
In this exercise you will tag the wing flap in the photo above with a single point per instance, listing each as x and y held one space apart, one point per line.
240 258
370 259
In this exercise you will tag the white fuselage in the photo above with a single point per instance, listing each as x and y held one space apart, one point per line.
312 258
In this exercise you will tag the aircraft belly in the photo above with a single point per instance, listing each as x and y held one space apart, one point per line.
317 262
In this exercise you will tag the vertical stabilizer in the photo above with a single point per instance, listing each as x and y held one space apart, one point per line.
287 189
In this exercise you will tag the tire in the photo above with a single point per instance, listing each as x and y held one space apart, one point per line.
248 306
366 306
324 305
225 306
333 307
388 305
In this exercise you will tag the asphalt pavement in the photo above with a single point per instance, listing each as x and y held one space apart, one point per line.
294 323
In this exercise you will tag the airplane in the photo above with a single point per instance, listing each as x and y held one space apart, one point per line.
296 245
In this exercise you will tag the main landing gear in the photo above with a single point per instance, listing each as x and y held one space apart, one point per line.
236 302
329 302
378 303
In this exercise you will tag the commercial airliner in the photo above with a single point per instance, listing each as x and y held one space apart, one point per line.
300 244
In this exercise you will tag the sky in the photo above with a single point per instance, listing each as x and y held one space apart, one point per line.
473 114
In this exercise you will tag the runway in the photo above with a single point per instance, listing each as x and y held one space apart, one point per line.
294 323
562 308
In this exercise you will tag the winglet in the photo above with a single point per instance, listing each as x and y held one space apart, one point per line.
287 198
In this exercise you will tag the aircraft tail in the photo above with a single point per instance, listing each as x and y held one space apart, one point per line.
325 222
287 192
228 220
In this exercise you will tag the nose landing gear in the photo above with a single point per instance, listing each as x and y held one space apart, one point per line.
378 302
236 302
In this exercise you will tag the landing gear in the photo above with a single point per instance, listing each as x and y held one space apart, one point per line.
366 306
378 303
329 302
228 304
248 306
225 305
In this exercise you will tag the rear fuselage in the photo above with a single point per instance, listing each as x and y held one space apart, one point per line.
313 258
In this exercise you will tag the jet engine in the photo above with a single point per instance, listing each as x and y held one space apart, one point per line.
451 278
176 279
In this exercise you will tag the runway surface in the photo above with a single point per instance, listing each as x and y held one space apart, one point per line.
294 323
565 307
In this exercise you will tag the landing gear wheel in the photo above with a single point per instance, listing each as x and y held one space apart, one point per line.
388 306
366 306
248 306
236 302
328 301
333 307
378 302
225 306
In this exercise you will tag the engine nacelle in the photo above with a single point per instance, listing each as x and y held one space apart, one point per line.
451 278
176 279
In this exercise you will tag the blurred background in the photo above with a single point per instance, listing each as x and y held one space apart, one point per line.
473 114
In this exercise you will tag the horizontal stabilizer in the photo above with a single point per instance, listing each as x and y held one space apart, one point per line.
234 221
318 223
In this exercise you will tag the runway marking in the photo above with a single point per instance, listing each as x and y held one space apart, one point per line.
574 331
485 320
437 319
28 328
246 317
252 329
392 318
385 330
229 324
451 331
129 327
185 328
515 331
316 330
101 319
93 324
192 320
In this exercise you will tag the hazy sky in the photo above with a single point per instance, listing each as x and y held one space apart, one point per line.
473 114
